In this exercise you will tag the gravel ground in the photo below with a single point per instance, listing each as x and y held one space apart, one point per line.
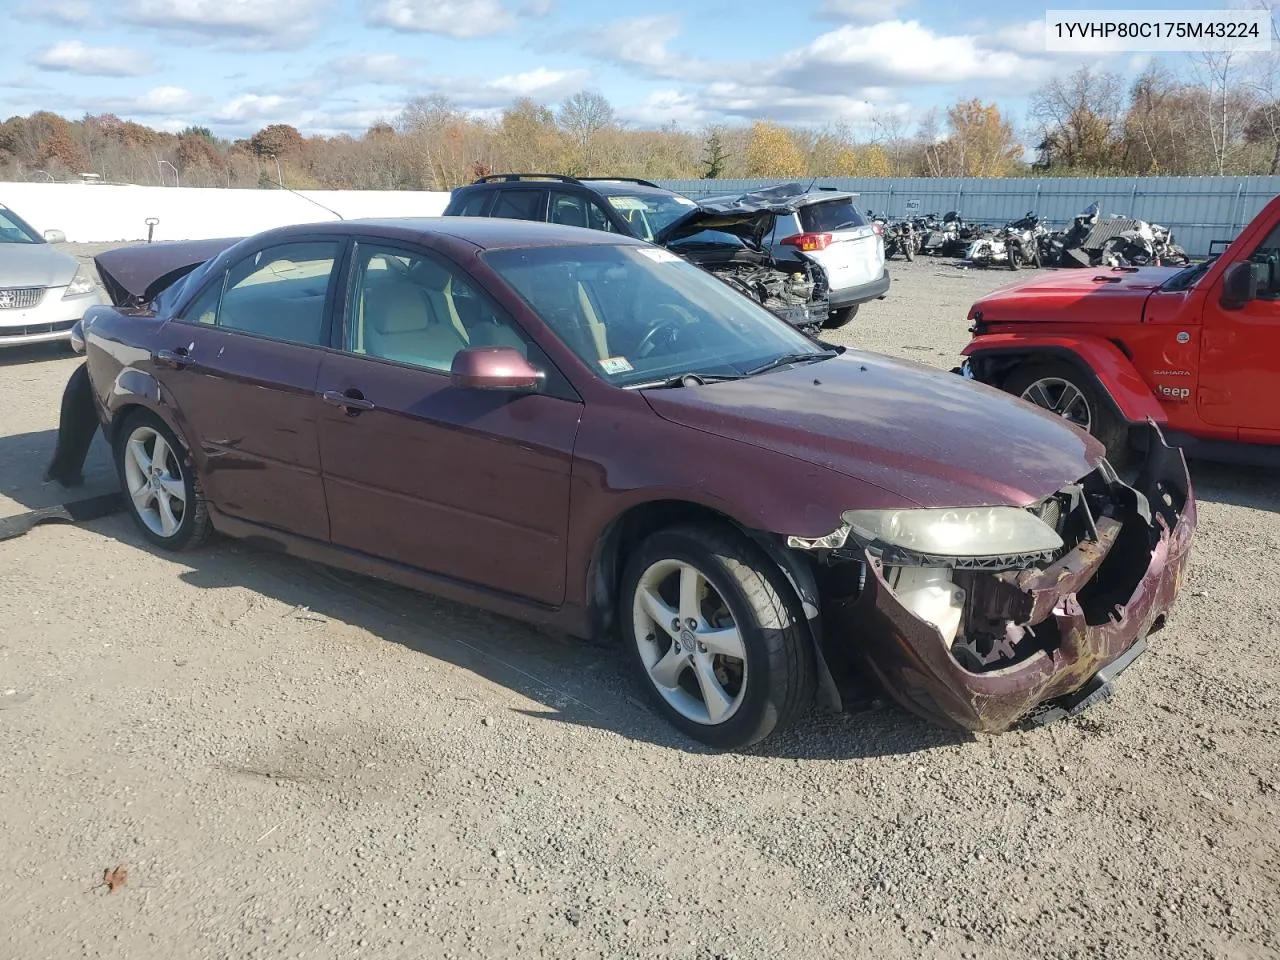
293 762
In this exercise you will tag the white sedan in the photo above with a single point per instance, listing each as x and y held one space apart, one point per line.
43 291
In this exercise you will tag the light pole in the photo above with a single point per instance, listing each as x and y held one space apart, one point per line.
161 164
279 175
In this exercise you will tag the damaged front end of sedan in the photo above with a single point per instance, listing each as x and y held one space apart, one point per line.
986 618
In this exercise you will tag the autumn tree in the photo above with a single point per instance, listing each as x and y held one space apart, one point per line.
771 152
277 140
981 143
1079 119
528 137
584 117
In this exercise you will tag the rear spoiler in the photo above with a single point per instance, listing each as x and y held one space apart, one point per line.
136 274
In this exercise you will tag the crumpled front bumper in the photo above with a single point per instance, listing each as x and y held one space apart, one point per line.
1105 596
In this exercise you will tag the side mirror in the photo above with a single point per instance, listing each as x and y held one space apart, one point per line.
55 236
495 368
1239 285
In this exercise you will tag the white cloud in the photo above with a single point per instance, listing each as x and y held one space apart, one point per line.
461 19
164 101
667 106
539 82
67 13
641 43
254 24
897 52
859 11
73 56
254 107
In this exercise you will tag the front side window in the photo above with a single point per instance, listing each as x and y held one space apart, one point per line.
639 314
279 292
577 211
415 309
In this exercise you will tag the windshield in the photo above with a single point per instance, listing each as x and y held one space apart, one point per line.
640 315
649 213
13 229
1188 276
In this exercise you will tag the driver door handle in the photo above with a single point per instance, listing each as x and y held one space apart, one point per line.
176 358
353 401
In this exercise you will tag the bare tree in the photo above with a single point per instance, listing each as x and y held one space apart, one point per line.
583 117
1078 118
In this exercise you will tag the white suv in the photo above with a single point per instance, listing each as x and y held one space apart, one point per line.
826 226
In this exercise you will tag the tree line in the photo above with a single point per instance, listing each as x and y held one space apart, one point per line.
1220 119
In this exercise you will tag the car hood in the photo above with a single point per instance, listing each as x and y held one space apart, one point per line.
35 265
933 438
135 274
748 225
1104 294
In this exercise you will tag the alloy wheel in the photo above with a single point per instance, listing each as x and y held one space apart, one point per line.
154 481
689 642
1061 397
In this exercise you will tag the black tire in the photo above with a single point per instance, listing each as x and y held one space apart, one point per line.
193 526
779 681
1105 422
1013 255
839 318
908 250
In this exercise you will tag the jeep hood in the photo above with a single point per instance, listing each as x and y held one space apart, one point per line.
931 437
1104 294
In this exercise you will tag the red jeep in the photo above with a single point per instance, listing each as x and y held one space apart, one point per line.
1196 348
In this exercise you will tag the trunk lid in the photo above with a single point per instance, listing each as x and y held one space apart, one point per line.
136 274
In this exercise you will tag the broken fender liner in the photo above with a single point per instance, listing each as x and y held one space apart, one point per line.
77 511
77 424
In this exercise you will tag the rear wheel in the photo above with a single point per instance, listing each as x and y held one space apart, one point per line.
160 485
715 635
1013 254
1064 389
839 318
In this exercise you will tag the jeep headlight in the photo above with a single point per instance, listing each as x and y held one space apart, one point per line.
80 285
954 532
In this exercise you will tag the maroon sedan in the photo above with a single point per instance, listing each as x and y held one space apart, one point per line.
583 430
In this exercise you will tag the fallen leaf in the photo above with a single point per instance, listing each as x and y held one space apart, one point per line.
114 879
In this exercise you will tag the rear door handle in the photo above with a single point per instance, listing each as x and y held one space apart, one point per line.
177 358
352 401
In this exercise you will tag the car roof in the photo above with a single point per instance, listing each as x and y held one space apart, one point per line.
616 188
483 232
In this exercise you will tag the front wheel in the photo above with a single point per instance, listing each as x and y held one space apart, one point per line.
1013 255
161 489
1064 389
715 636
839 318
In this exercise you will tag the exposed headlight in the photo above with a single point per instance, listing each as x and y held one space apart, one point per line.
955 532
80 284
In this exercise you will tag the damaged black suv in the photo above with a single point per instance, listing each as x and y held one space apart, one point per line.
727 240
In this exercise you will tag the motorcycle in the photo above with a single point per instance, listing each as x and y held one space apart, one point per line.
900 237
1023 241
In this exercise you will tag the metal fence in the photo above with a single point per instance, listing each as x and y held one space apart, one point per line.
1197 209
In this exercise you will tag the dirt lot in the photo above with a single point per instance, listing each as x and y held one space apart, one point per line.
291 762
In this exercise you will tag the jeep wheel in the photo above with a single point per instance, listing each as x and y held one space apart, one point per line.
716 635
1064 389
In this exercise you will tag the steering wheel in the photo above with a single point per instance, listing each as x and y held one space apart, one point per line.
665 328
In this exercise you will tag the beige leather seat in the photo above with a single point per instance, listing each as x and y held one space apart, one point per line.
400 324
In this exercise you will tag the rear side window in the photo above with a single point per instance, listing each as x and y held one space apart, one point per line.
831 215
278 292
473 205
520 205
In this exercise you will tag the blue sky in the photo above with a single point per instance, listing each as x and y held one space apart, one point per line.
330 66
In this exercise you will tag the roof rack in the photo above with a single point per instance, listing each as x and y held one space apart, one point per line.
643 183
494 177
